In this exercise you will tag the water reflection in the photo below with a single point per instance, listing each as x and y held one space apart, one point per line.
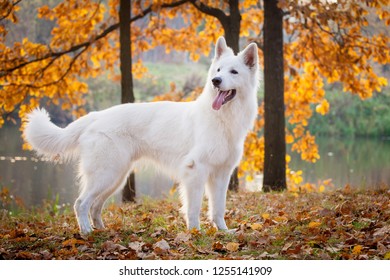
362 163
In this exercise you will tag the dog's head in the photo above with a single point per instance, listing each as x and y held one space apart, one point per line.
233 77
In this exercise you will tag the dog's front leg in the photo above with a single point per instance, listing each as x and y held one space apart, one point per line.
216 190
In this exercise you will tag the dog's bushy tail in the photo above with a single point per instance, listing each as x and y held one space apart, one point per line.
51 141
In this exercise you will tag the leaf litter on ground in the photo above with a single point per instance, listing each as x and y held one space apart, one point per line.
328 225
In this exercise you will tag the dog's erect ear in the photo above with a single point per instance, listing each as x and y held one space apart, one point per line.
220 47
250 56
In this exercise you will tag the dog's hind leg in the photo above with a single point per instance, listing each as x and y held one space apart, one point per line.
101 169
95 185
97 206
81 207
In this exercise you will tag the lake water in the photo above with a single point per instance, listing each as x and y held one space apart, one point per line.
359 162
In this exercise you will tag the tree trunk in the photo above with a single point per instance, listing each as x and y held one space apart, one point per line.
232 36
127 95
274 129
231 26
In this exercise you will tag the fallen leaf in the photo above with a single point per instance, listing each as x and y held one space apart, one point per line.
232 246
46 254
136 246
217 246
265 216
314 224
182 237
256 226
281 219
287 246
162 244
110 246
382 231
73 242
211 231
357 249
195 232
158 231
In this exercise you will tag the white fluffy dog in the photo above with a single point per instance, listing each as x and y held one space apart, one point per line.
197 143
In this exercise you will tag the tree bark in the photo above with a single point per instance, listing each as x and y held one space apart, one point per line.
127 94
231 26
274 129
230 22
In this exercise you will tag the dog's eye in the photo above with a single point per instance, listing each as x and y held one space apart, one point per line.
233 71
219 69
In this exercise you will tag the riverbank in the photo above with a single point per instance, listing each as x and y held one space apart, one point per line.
342 224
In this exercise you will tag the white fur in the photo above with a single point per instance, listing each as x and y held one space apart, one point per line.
192 142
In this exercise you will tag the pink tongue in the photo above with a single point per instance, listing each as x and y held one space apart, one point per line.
217 104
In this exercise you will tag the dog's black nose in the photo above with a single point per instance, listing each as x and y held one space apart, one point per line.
216 81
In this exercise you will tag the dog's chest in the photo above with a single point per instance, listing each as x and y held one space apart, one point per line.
219 146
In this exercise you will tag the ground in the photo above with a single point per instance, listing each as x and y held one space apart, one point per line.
340 224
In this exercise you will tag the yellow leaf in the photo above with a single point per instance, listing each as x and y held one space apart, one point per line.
323 108
232 246
387 256
211 231
382 81
249 178
314 224
265 216
322 188
357 249
256 226
281 219
95 61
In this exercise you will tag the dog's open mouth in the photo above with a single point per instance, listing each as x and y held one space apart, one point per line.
223 97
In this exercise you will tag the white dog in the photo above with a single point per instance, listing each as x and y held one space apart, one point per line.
197 143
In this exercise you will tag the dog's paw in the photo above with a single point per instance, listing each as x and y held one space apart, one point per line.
229 231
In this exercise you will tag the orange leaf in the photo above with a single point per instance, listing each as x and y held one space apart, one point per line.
217 246
314 224
73 242
357 249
